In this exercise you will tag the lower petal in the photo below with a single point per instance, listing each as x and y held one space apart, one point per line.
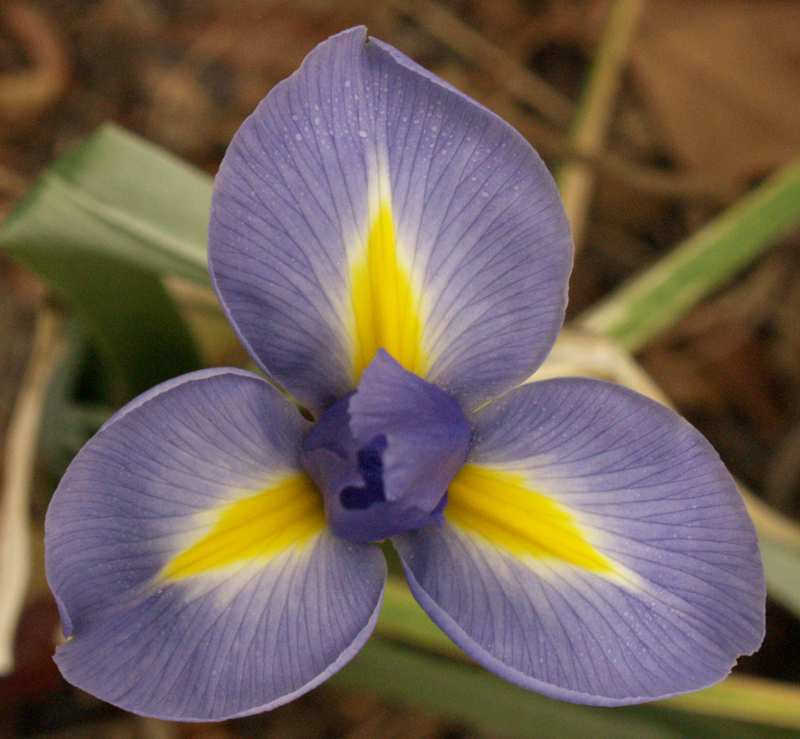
189 555
595 550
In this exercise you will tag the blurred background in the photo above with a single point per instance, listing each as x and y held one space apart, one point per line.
657 118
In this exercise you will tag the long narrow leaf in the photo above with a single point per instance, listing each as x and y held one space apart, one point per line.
118 195
647 305
465 692
100 226
737 698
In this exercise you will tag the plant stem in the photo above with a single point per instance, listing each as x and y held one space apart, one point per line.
595 110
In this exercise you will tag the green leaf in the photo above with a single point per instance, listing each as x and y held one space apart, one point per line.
101 226
402 619
470 694
782 569
121 196
746 698
649 304
779 541
72 417
734 700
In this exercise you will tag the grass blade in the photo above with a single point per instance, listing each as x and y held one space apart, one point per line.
100 226
649 304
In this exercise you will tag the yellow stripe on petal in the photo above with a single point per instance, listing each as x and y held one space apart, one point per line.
501 507
386 307
260 526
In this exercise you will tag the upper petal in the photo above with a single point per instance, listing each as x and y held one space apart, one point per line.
190 559
595 550
368 204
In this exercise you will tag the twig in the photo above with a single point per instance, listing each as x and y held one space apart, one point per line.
18 465
641 177
595 110
506 71
514 82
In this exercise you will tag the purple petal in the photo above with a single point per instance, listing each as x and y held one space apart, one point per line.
366 204
189 555
384 455
596 549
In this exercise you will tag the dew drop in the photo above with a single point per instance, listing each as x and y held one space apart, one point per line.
298 137
363 133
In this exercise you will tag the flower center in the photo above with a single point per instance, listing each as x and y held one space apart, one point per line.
370 465
383 455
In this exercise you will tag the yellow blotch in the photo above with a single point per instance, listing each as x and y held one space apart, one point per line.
502 508
286 514
386 308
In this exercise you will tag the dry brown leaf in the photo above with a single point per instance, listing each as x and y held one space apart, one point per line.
721 79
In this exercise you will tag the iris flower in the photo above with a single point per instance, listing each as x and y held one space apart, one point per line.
395 257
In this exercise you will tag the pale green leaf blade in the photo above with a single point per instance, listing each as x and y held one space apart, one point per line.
649 304
100 226
469 694
121 196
